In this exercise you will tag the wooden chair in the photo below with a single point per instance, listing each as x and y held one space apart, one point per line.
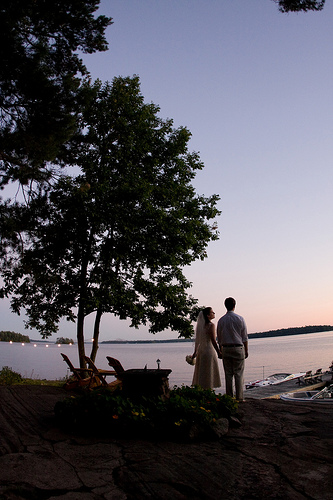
330 370
308 377
99 374
318 375
116 365
81 377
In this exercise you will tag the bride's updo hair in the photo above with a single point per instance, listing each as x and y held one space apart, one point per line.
205 313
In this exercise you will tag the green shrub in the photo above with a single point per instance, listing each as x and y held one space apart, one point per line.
110 413
8 377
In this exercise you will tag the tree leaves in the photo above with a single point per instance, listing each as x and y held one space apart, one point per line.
116 237
41 74
300 5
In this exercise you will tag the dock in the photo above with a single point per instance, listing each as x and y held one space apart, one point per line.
274 391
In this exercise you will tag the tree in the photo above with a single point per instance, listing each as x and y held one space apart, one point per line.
116 237
40 78
299 5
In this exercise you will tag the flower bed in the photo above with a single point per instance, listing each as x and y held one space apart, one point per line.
188 413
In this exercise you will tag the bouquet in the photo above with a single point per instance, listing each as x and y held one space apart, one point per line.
190 360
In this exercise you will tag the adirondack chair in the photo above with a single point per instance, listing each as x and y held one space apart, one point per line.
100 374
81 377
308 377
330 371
116 365
318 375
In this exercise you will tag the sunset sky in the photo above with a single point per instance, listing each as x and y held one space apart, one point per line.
255 88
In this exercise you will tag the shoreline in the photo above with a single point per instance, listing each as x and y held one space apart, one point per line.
283 332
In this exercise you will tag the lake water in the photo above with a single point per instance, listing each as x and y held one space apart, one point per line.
292 354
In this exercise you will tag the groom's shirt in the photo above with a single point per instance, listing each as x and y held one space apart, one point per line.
231 329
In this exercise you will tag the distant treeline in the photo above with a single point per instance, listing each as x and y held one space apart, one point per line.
271 333
145 341
14 337
18 337
292 331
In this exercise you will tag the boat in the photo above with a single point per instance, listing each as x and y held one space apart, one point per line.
323 396
276 378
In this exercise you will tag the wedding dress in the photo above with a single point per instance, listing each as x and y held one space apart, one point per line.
206 370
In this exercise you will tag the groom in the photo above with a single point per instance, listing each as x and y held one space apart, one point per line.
233 341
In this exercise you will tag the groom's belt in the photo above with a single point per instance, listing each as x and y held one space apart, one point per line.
232 345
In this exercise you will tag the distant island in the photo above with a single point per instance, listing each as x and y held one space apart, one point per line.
64 340
271 333
13 337
291 331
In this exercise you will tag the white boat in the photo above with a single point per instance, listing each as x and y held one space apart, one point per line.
323 396
276 378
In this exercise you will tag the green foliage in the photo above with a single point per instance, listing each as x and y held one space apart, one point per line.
64 340
40 79
299 5
45 382
14 337
9 377
110 413
116 237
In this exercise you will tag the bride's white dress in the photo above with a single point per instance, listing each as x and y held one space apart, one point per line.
206 370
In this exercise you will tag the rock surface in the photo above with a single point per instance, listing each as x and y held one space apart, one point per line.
281 451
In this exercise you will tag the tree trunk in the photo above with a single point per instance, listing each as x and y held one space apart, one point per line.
80 336
86 248
96 334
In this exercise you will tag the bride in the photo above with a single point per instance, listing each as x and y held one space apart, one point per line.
206 351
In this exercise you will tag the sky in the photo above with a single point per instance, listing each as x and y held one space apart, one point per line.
255 88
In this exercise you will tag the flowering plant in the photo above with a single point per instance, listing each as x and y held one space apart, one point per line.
104 413
190 360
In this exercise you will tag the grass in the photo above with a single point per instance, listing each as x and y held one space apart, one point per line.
10 377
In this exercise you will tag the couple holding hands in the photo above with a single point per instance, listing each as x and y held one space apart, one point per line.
231 347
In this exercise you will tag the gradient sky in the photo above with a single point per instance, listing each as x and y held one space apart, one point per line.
255 88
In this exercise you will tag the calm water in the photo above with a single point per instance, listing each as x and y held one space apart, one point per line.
266 356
